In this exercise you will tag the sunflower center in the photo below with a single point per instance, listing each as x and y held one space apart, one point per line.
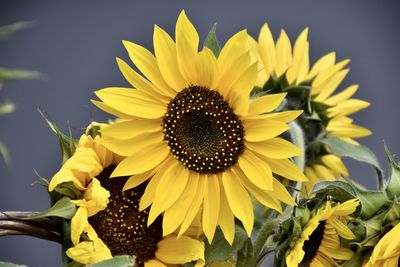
311 245
202 131
121 226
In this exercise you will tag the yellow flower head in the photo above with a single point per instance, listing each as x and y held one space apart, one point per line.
189 128
110 218
279 59
319 242
387 251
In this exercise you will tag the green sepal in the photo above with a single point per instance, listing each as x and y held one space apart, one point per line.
117 261
63 208
357 152
211 41
220 250
68 189
393 185
67 143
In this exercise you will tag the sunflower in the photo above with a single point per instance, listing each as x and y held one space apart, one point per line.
387 251
190 129
110 218
279 62
319 242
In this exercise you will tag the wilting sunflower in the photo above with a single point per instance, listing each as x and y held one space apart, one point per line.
190 129
387 252
277 61
319 242
110 218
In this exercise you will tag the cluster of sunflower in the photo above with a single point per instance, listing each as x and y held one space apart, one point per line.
224 157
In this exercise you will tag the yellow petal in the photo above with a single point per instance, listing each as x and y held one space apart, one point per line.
141 162
239 200
348 107
211 207
341 228
276 148
260 130
195 204
322 64
106 108
300 64
147 64
286 168
283 54
285 116
352 130
169 189
137 179
165 51
324 173
265 197
154 263
206 66
226 220
335 163
175 214
150 192
179 251
187 42
129 129
78 224
131 102
266 103
240 92
267 49
342 96
330 85
133 145
256 170
140 83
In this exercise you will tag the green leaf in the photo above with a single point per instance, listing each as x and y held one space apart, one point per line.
245 256
357 152
118 261
8 30
17 74
4 153
371 202
68 189
7 107
9 264
212 41
339 190
63 208
393 185
220 250
67 143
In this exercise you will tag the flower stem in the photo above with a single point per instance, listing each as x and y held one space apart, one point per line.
21 223
266 230
297 136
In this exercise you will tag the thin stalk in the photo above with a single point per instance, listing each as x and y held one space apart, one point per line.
11 227
266 230
297 136
21 223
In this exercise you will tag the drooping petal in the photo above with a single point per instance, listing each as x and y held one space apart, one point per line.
169 189
211 207
239 200
266 103
260 130
256 170
131 128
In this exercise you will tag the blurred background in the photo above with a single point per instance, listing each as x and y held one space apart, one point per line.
75 44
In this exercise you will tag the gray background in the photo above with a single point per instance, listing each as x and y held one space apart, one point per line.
76 43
